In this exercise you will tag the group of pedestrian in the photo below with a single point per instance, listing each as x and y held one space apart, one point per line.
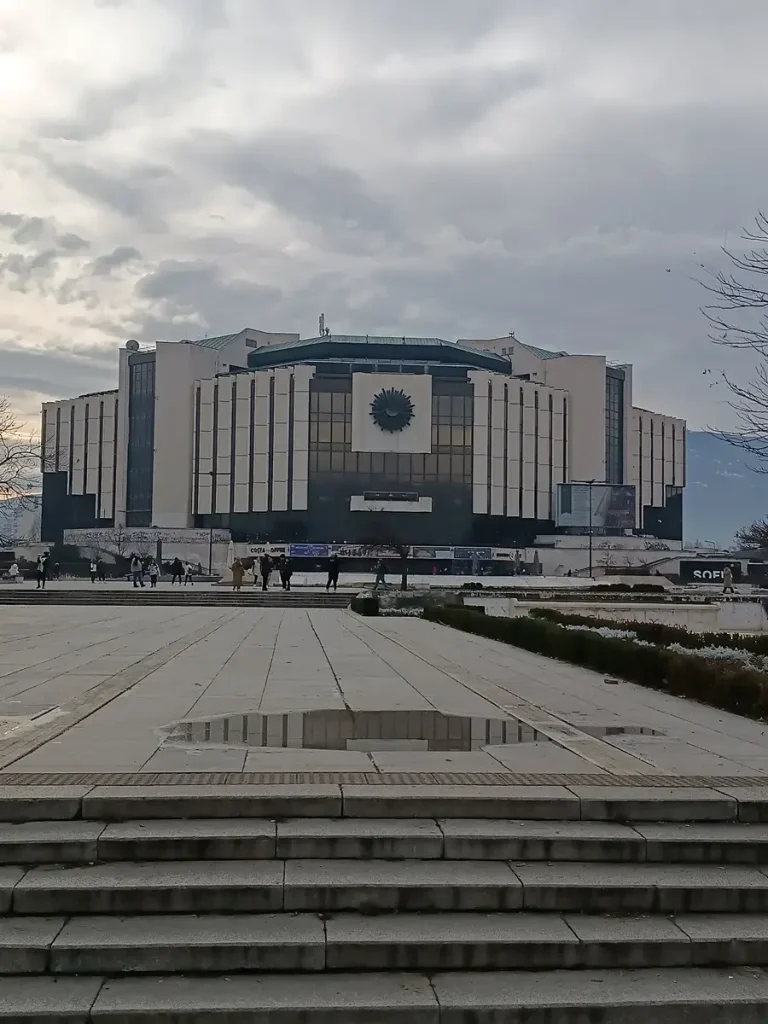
141 567
96 571
264 568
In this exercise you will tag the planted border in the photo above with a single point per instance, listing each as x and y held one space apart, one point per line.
658 632
730 688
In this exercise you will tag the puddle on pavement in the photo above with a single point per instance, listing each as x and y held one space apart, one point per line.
368 731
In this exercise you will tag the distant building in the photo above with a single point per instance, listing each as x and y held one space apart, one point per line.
20 519
357 439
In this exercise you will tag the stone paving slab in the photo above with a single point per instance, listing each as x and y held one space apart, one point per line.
52 842
354 838
24 943
330 886
189 944
546 802
324 999
669 996
159 888
630 804
540 840
219 839
35 1000
121 803
31 803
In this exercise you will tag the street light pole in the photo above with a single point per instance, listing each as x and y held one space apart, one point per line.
590 482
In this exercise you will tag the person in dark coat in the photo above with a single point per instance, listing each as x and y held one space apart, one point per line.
334 565
286 571
177 571
381 574
265 567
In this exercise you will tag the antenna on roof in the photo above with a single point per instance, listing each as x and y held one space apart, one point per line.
321 325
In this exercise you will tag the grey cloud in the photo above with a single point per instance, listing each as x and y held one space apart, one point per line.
200 293
132 194
103 266
57 374
72 242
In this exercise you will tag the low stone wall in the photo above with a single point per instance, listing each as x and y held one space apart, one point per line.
728 616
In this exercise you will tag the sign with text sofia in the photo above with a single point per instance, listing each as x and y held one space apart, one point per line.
701 570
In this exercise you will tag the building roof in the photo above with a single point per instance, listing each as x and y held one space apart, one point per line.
363 347
220 342
542 353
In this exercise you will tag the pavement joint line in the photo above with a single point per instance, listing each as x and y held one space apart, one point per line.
543 721
100 695
382 780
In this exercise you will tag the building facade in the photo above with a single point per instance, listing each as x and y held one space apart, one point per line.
359 439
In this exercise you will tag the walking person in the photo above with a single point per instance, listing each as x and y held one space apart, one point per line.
334 565
381 575
188 575
137 571
41 569
286 571
238 571
728 587
101 576
154 572
265 568
177 571
93 571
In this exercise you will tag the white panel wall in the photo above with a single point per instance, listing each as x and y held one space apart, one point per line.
302 377
280 440
657 456
514 465
480 381
92 465
223 427
242 467
583 377
529 454
205 463
498 405
543 451
260 449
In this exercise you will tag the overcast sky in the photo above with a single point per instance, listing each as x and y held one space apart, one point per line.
557 168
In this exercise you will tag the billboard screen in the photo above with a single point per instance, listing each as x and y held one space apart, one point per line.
613 506
707 570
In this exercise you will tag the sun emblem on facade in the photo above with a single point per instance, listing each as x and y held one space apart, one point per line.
392 410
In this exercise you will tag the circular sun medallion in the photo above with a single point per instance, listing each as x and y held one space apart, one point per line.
392 410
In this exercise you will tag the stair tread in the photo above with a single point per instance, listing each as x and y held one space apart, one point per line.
382 997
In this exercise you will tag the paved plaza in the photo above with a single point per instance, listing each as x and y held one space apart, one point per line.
167 690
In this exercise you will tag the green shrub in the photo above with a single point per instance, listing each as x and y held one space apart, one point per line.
729 687
365 604
659 632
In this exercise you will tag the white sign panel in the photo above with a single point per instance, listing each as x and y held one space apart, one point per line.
392 412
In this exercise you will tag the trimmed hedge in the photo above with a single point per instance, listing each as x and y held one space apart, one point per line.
731 688
659 632
365 604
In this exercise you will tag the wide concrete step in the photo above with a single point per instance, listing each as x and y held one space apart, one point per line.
593 803
671 996
89 842
376 886
175 596
299 943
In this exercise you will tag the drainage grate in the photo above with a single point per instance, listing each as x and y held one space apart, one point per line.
376 779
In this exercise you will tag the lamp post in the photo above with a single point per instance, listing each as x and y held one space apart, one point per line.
590 483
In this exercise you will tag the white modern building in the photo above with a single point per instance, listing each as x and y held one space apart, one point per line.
363 439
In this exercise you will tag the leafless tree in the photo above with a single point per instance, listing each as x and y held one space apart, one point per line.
19 459
738 319
753 536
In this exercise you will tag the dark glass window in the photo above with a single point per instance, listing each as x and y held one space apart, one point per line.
330 431
614 426
141 440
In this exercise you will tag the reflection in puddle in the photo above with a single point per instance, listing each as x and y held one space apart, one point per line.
368 730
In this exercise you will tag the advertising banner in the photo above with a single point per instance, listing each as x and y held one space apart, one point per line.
310 550
612 506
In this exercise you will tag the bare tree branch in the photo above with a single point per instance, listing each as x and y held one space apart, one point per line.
738 319
19 460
